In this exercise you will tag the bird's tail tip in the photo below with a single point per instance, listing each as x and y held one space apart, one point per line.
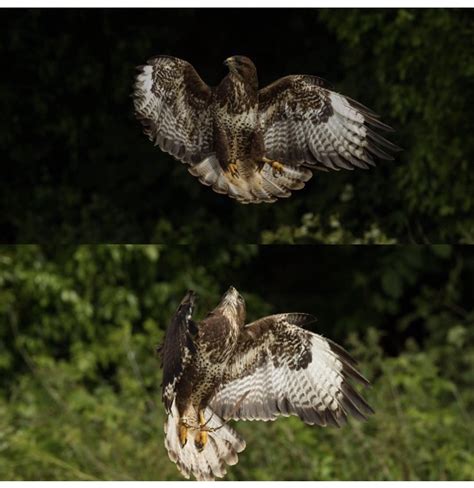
211 461
264 186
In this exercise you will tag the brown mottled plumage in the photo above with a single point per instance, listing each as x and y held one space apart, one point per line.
254 145
220 369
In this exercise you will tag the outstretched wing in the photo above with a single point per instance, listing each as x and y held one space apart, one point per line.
304 122
173 104
178 348
282 369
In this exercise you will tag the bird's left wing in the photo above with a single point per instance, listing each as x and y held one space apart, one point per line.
279 368
174 106
304 122
178 347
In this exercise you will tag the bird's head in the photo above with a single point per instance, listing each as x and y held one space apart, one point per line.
233 305
242 67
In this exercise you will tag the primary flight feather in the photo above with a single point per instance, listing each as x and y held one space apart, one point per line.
220 369
254 145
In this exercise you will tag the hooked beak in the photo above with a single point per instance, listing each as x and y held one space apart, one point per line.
229 62
230 295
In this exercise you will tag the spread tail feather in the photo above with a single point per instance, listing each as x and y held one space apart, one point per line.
221 448
260 187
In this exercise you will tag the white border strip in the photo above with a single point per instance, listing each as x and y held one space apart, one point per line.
237 484
233 4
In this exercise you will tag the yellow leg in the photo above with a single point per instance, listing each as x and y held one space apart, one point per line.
200 440
276 165
183 434
232 168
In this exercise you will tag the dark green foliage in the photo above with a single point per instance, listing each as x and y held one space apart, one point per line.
78 168
417 68
79 380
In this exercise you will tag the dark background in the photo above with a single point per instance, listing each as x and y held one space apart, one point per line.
78 169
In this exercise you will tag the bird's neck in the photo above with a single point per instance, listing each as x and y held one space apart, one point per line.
240 90
250 81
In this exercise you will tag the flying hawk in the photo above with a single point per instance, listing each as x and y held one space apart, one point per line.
254 145
221 368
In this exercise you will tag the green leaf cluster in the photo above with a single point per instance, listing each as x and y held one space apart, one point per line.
79 378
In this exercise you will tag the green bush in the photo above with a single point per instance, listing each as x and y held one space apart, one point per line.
79 391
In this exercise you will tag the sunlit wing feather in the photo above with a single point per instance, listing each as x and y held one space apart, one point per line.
281 369
173 104
304 122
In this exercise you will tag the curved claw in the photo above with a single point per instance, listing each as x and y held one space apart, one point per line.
276 166
183 434
200 440
232 168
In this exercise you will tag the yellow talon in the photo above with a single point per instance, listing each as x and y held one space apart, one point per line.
232 168
183 434
200 440
277 166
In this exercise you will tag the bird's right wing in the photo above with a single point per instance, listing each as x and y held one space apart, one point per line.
178 348
304 122
281 369
174 106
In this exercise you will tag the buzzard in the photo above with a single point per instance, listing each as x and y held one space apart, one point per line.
254 145
220 369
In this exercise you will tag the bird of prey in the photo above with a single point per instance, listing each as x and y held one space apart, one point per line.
255 145
221 368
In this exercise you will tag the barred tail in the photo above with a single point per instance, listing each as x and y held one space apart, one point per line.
263 186
221 448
